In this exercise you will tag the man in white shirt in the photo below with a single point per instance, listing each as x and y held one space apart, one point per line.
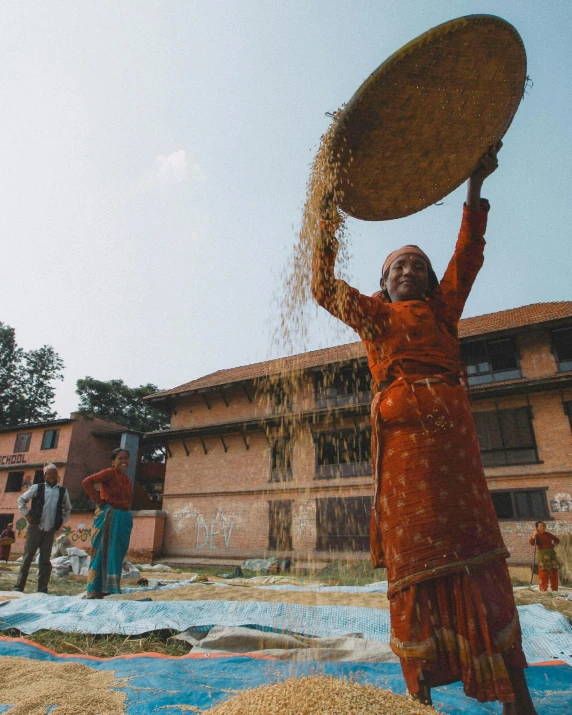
50 508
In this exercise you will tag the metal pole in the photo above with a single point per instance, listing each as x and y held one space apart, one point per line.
532 566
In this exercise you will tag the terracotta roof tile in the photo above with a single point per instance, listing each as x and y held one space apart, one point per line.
468 327
515 318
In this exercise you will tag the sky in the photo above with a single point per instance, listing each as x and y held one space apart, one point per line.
154 160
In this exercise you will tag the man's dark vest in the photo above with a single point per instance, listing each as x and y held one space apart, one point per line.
38 506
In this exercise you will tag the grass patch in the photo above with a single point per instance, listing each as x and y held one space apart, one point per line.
58 586
351 573
105 646
550 601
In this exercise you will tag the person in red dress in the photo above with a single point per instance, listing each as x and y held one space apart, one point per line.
7 538
548 562
433 524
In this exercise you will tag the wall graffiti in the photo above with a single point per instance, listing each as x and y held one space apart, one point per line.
561 503
207 533
79 534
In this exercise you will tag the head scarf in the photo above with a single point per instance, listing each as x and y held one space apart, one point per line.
49 466
404 250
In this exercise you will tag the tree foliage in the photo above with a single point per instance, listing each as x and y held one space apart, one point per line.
114 400
26 381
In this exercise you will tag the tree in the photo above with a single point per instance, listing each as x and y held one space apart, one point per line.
114 400
26 381
10 358
39 369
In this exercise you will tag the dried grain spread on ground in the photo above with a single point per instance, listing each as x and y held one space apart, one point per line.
34 688
319 695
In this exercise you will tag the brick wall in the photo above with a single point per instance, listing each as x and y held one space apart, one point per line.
536 358
34 456
87 454
146 538
217 503
516 535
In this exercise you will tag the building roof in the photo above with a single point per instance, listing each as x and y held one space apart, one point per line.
505 320
25 427
115 427
294 363
526 315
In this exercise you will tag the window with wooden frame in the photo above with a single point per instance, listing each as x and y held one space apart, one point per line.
343 453
280 525
491 361
562 348
342 524
22 443
349 385
524 504
50 439
506 437
14 482
281 460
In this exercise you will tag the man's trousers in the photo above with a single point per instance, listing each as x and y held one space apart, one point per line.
42 540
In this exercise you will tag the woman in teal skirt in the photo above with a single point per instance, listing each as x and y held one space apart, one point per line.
112 525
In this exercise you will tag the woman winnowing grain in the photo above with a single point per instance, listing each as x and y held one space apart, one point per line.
433 523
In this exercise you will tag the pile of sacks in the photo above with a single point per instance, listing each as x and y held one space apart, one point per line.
270 566
67 559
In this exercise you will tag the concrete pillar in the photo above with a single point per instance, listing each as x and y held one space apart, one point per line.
130 442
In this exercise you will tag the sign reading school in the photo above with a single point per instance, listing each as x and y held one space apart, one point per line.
12 459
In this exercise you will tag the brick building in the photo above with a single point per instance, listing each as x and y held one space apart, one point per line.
255 468
78 445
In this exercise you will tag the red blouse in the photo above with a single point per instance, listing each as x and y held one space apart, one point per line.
116 488
413 336
545 541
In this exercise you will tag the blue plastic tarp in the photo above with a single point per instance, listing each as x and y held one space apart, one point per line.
68 614
547 635
160 685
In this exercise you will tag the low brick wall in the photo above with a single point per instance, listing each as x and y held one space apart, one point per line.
146 538
517 533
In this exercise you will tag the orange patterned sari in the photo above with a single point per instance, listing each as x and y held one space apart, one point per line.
433 523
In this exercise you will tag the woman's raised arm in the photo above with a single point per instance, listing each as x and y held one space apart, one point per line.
487 164
360 312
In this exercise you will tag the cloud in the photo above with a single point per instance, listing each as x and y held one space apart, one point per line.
174 168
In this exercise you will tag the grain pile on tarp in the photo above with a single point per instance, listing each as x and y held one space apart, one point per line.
173 686
301 596
73 688
317 695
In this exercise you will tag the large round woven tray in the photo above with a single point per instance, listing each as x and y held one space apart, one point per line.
417 127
